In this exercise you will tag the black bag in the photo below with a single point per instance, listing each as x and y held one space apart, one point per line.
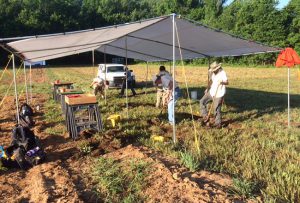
23 136
25 116
23 140
26 110
26 121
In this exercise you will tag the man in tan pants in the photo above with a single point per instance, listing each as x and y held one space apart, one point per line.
161 95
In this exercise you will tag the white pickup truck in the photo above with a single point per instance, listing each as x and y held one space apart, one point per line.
113 74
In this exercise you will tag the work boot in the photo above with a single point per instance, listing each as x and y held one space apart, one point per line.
205 122
218 126
205 119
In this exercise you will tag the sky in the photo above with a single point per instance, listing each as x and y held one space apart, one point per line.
282 3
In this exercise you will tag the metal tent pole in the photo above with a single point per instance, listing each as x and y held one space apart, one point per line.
126 77
289 97
15 84
30 83
147 78
208 74
93 57
25 77
105 93
174 128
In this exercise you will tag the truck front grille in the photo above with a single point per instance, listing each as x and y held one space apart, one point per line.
118 81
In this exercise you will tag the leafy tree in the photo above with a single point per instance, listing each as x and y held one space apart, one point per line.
43 16
89 15
264 24
213 9
9 26
292 11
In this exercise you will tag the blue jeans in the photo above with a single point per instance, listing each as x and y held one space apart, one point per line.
170 105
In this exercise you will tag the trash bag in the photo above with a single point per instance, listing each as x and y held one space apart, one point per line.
24 151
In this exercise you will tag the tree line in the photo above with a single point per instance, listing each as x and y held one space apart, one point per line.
258 20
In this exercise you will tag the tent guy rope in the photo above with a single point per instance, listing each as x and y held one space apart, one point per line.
196 139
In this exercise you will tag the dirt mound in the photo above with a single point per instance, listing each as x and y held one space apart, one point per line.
170 182
51 183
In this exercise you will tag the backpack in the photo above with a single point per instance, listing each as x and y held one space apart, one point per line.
25 116
26 110
23 136
23 141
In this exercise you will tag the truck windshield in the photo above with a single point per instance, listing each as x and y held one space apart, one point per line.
113 69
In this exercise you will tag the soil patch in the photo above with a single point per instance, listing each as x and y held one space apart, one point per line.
170 182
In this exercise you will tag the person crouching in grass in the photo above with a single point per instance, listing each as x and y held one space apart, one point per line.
98 85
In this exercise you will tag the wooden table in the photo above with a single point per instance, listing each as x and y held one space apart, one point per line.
82 112
67 92
68 85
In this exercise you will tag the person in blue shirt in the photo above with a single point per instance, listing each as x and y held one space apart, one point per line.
128 74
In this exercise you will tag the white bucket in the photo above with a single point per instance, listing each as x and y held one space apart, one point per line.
194 94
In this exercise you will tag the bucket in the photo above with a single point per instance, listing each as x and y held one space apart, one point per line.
194 94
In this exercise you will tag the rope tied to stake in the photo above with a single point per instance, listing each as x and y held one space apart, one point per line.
188 94
5 69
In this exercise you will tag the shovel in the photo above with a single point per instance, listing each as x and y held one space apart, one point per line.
212 104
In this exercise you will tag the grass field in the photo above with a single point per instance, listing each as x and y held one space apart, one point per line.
255 147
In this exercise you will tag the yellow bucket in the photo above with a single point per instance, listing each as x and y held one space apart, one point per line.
114 119
158 138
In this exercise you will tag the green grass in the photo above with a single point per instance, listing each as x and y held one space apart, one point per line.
189 160
2 168
257 146
244 188
120 181
85 147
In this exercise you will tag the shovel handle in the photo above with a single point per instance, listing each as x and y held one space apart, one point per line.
212 104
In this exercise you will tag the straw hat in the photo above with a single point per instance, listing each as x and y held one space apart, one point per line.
214 66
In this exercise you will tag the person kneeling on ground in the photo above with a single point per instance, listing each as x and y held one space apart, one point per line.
128 74
215 93
98 86
167 83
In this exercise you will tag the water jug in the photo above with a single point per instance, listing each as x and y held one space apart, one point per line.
32 151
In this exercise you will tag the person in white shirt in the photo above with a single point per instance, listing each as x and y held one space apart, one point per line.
215 93
98 86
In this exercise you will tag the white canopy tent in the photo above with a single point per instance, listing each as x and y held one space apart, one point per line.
147 40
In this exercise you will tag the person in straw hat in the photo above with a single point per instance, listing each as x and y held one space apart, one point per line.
215 93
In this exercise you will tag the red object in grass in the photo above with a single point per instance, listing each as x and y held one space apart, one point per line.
288 57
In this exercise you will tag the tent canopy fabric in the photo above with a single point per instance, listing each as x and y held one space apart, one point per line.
148 40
